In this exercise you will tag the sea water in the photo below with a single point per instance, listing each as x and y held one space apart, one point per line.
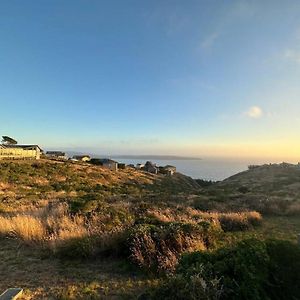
206 168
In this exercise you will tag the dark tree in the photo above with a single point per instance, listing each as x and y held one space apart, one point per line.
8 140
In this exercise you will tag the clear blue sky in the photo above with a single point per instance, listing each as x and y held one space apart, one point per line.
155 76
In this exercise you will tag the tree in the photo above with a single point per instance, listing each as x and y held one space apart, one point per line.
8 140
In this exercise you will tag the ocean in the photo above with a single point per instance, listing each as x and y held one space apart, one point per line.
206 168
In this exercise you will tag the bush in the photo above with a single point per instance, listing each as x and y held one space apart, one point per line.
250 270
284 274
239 221
79 247
158 248
243 268
234 222
243 189
196 287
205 183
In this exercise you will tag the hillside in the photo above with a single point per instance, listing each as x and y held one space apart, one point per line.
273 179
273 188
86 232
29 182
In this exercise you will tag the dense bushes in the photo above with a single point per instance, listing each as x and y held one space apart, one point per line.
205 183
252 269
239 221
284 274
158 248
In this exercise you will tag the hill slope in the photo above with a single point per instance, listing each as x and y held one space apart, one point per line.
273 179
273 188
27 182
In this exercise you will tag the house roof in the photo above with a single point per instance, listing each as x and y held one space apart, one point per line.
107 160
150 163
103 160
58 153
169 167
22 146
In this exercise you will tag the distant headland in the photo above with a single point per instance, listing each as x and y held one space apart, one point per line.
159 157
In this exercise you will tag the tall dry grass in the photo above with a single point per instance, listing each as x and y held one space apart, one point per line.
24 227
49 224
54 228
228 221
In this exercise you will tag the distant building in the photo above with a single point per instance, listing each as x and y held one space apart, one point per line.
83 158
106 163
20 151
121 166
56 154
150 167
139 166
110 164
167 170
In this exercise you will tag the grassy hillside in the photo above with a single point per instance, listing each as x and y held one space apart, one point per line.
90 233
27 183
269 189
271 180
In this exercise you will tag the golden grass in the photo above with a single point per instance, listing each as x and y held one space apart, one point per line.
53 227
240 220
43 225
5 226
26 228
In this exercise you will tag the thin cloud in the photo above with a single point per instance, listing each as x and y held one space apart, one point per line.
292 55
254 112
239 11
209 40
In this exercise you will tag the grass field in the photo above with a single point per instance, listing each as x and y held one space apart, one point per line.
63 226
109 278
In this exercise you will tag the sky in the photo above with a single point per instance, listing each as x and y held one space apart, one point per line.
193 78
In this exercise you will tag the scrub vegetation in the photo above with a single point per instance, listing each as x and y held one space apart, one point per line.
90 233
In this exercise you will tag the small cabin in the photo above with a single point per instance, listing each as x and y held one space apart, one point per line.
167 170
83 158
150 167
56 154
106 163
110 164
121 166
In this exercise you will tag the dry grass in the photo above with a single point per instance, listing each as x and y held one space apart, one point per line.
228 221
46 226
54 228
27 228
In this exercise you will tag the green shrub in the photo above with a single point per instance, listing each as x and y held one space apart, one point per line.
243 189
76 248
284 274
243 268
250 270
196 287
205 183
